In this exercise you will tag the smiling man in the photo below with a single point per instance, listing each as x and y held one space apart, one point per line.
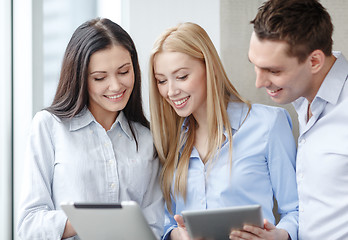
291 49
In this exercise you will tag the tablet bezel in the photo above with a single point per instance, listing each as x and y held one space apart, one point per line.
123 220
218 223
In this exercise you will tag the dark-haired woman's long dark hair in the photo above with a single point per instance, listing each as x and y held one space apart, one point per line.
72 93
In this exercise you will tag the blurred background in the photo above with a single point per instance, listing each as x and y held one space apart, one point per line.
34 34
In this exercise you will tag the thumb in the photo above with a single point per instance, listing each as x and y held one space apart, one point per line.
179 219
268 225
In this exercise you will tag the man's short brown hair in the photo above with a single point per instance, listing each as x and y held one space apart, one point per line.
304 24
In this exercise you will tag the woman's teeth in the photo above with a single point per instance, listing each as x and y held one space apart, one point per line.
115 96
181 101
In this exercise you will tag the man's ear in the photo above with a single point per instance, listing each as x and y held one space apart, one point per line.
317 60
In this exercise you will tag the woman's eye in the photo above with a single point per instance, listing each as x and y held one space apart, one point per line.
124 72
161 81
183 77
99 79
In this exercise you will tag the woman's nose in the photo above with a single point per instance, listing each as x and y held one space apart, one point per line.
114 84
172 88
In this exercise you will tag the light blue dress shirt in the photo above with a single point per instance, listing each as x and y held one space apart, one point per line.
77 160
263 167
322 158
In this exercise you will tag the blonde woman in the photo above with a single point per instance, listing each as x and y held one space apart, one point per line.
217 150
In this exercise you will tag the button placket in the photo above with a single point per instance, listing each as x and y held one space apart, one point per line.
111 168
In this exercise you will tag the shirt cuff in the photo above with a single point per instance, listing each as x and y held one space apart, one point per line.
290 228
61 219
166 235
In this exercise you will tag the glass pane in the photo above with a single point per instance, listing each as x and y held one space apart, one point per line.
60 19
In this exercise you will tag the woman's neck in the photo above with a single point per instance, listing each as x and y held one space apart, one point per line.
104 118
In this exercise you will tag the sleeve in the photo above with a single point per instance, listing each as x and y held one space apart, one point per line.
282 158
153 203
38 218
169 221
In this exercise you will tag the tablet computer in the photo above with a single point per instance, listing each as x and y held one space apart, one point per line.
124 221
217 223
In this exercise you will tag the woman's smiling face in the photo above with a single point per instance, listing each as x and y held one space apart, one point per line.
110 81
181 80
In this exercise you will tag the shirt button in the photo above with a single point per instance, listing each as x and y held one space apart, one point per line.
303 141
132 160
111 162
300 175
119 135
113 185
301 209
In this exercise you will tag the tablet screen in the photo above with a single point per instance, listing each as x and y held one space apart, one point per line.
218 223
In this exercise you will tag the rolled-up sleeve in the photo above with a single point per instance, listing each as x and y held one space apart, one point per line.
38 218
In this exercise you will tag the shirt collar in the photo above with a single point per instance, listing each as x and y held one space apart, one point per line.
122 121
185 125
85 117
81 120
332 85
334 81
236 111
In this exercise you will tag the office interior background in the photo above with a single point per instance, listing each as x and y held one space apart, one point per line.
34 34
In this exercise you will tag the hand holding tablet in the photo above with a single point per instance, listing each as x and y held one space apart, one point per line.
217 223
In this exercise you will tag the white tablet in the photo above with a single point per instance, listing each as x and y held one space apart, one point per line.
124 221
217 223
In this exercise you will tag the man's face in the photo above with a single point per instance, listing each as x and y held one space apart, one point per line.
284 78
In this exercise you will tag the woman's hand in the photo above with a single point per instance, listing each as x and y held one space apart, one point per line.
270 232
179 233
69 231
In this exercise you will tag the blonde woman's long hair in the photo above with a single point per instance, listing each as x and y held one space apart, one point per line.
165 124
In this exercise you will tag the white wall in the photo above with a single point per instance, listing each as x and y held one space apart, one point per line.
146 20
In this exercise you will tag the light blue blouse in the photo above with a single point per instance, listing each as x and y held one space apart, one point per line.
77 160
263 167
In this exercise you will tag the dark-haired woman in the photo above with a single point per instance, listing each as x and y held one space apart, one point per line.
93 143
